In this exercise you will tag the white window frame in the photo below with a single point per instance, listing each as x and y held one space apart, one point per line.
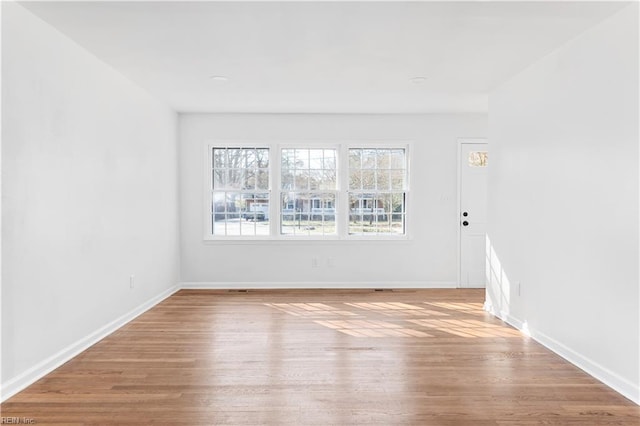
342 188
208 188
310 145
407 181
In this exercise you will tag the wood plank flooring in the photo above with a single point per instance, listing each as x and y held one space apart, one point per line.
320 357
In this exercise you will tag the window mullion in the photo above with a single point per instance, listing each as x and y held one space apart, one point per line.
275 190
342 189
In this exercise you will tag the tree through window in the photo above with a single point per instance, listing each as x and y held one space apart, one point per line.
308 191
240 189
377 191
336 191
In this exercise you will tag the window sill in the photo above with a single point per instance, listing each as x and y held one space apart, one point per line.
307 241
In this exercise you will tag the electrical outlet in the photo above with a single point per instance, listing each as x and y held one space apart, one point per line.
330 262
314 262
132 281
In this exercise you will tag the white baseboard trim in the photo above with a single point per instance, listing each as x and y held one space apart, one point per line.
210 285
606 376
33 374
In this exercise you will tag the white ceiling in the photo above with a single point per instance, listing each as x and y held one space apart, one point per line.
321 56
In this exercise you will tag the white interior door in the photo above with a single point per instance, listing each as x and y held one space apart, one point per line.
473 212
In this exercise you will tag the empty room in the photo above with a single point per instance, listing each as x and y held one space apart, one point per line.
320 213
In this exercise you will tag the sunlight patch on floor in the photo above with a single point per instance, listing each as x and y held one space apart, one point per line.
395 309
467 328
371 328
389 319
310 309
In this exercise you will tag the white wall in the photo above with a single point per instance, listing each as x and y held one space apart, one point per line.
429 258
89 196
563 203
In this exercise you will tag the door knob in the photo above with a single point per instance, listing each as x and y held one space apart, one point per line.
465 223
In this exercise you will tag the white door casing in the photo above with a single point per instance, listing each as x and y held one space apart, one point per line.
472 212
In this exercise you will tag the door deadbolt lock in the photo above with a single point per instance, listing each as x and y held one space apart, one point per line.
465 214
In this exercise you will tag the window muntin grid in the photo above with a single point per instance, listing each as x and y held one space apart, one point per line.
377 191
308 191
240 191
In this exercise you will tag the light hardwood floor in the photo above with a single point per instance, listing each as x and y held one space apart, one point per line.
320 357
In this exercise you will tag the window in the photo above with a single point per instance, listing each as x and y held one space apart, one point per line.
321 191
478 158
377 191
240 191
308 192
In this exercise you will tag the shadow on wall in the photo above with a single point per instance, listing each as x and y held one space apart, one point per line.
499 290
498 285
